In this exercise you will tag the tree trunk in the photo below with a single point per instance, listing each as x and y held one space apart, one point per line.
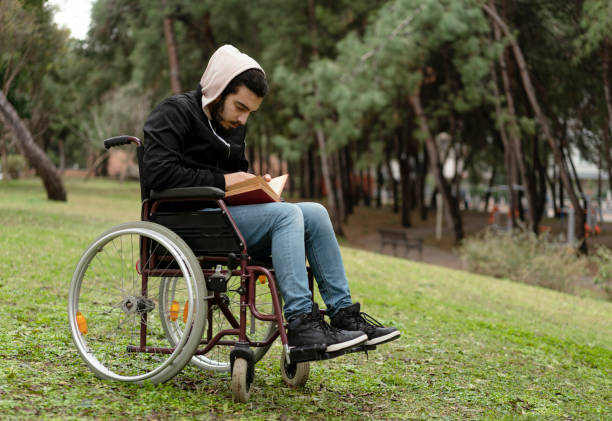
509 156
334 214
540 203
292 168
392 180
608 127
563 172
490 189
346 172
404 175
3 154
267 154
34 155
553 192
62 156
261 155
366 189
359 193
251 152
339 190
567 156
417 184
436 165
379 185
514 140
208 33
606 150
96 163
316 174
175 82
303 175
600 166
511 180
421 178
561 195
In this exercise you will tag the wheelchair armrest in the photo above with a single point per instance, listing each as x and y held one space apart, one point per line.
188 193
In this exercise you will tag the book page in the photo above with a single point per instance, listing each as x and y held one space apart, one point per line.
278 183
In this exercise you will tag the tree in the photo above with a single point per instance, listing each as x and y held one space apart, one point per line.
303 88
417 57
357 84
26 35
173 60
544 125
512 141
596 22
35 156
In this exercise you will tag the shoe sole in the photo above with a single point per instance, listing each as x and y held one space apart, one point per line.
382 339
348 344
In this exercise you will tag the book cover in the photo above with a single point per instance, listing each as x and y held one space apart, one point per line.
255 190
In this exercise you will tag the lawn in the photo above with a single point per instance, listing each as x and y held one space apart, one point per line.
472 347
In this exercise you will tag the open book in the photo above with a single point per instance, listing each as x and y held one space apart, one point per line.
255 190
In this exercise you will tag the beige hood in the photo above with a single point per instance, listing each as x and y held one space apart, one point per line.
225 64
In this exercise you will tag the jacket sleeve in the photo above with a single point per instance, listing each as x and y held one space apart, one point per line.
164 132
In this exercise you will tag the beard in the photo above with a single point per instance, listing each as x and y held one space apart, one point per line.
216 111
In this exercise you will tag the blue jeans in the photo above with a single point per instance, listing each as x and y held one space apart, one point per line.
290 233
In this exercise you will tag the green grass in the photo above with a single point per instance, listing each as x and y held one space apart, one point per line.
472 347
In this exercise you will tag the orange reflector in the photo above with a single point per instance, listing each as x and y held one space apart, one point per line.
262 279
81 323
186 312
174 310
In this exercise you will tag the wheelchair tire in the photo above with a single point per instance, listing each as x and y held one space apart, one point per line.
218 358
241 388
107 308
295 374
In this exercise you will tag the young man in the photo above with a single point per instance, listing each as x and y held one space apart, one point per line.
197 139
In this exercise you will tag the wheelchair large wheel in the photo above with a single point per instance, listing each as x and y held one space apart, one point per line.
114 314
218 358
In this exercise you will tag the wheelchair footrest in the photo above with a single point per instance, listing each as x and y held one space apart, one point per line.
300 354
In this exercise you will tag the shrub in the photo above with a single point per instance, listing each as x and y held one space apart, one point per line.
15 164
524 257
603 260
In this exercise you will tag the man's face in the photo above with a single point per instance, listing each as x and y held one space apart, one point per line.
234 111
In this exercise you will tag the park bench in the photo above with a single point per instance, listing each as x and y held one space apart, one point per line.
400 238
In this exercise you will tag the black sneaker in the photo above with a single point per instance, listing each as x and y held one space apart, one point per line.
312 329
350 318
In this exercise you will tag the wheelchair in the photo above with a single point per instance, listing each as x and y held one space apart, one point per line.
177 287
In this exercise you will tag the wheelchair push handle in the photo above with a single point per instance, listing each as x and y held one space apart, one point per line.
121 140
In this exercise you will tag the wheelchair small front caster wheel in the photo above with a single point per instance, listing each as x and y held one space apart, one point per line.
294 374
241 387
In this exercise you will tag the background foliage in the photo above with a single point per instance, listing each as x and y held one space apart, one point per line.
344 76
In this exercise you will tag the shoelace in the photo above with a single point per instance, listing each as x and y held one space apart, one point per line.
369 320
325 326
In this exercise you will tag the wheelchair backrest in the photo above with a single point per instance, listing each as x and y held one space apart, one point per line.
209 232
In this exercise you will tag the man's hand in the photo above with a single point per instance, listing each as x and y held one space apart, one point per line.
267 177
236 177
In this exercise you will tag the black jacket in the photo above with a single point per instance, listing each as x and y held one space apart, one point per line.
182 150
